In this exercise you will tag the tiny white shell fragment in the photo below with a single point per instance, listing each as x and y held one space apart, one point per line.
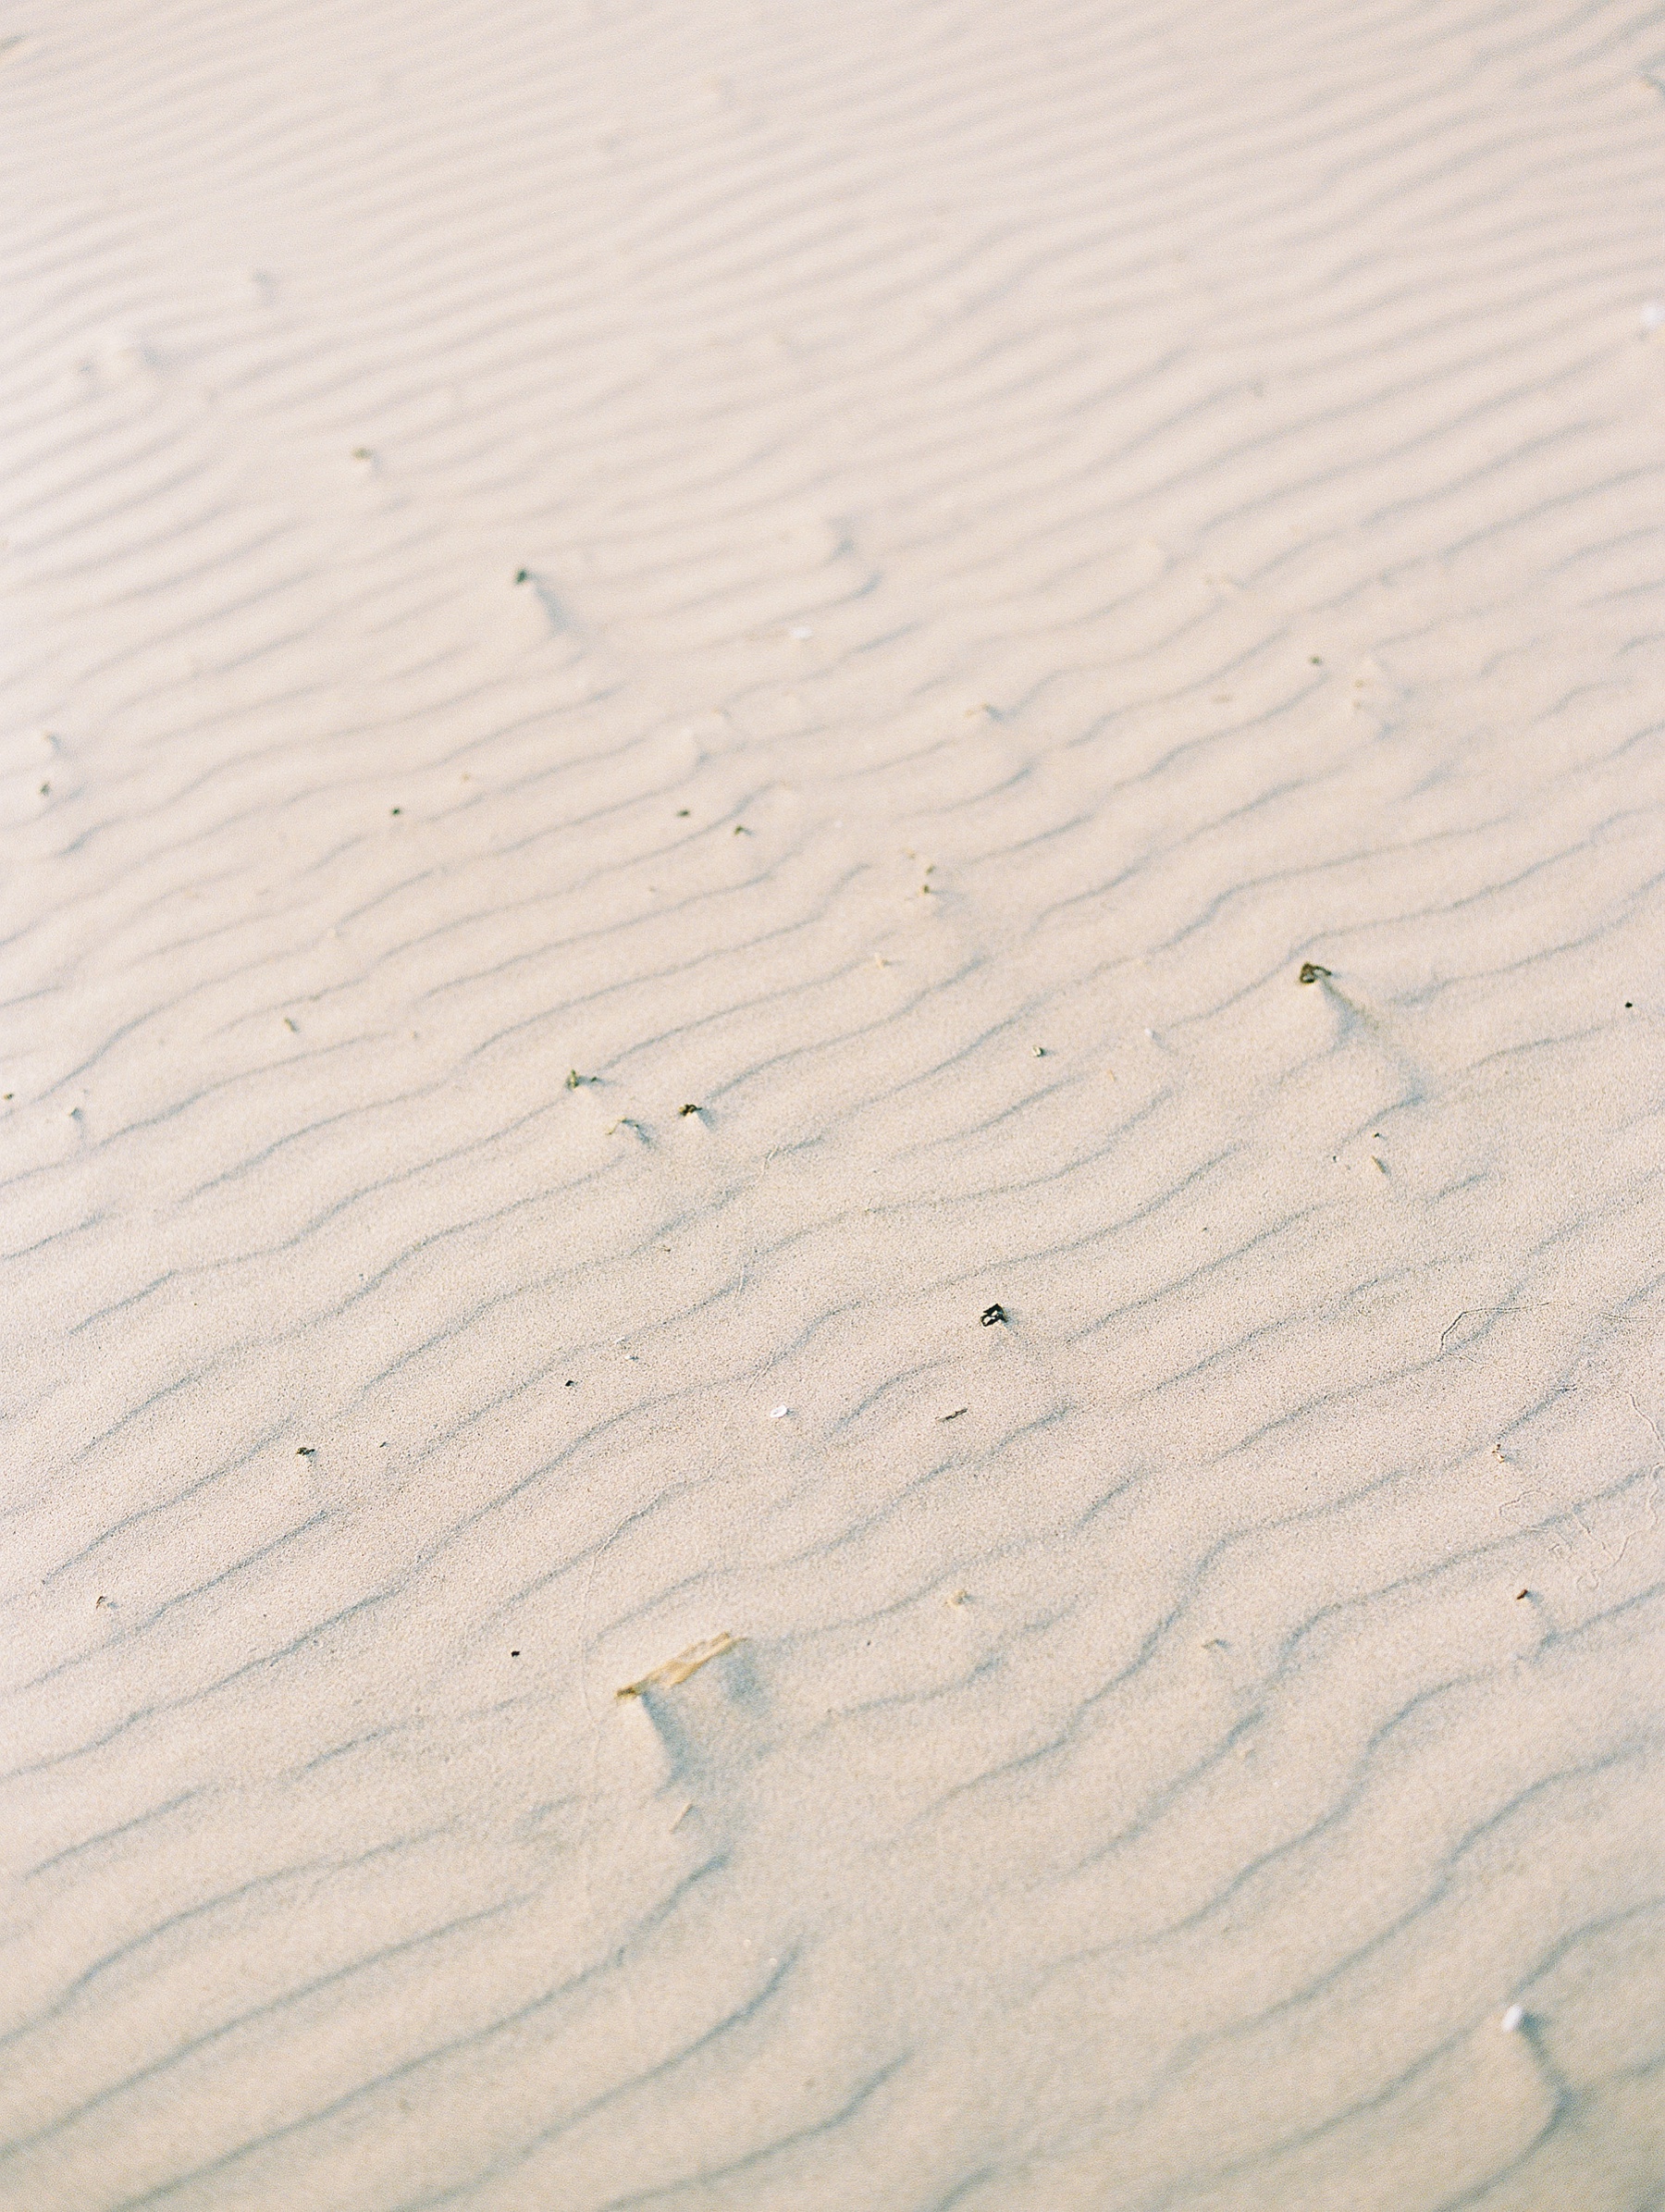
1512 2018
780 1413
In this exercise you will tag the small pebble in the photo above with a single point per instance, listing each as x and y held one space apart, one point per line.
1513 2019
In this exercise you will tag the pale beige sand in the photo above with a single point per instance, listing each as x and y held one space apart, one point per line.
1039 519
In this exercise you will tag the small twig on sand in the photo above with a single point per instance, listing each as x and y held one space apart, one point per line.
672 1671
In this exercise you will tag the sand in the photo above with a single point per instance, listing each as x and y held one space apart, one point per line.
685 688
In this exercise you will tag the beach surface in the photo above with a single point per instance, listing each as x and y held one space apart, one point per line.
832 1172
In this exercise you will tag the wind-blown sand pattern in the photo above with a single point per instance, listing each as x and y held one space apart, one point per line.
1036 522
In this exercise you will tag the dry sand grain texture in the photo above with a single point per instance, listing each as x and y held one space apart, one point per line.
1032 523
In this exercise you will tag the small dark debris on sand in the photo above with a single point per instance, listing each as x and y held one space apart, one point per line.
1310 973
991 1314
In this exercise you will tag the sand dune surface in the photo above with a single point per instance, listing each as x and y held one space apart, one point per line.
685 688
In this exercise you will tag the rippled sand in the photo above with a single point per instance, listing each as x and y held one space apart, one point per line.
687 686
